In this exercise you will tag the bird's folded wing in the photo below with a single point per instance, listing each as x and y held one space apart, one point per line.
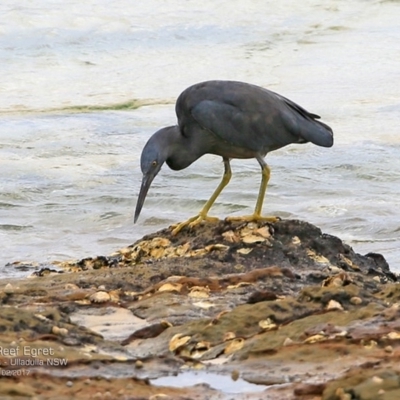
228 122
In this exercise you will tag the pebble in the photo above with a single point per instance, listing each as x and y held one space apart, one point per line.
389 349
8 289
71 286
59 331
139 364
334 305
267 324
288 341
235 375
99 297
356 300
376 379
70 383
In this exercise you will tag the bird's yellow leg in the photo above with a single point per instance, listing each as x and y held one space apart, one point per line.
202 216
256 216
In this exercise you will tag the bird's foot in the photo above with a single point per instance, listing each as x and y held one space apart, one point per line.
252 218
192 222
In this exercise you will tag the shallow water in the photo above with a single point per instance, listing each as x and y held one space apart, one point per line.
84 85
219 382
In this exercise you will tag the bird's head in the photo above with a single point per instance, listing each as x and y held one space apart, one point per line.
154 154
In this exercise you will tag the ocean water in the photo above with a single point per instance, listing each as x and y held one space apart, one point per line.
84 84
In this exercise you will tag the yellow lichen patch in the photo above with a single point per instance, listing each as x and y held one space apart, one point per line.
197 253
296 240
170 287
240 284
114 295
393 335
315 338
199 349
185 352
229 336
244 251
199 292
372 344
338 280
217 246
267 324
62 263
160 242
196 354
247 230
206 250
154 248
181 250
178 341
202 345
135 252
334 269
73 268
348 262
234 345
158 252
249 239
124 251
317 258
83 302
231 236
264 232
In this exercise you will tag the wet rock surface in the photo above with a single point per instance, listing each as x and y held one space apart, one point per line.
223 311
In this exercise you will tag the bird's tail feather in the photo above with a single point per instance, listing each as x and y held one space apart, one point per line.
312 130
318 133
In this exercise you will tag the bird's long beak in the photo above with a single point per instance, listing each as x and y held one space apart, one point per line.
146 182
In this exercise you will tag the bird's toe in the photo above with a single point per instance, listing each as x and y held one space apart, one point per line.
192 222
200 219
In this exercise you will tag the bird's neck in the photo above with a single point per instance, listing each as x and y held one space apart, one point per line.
182 151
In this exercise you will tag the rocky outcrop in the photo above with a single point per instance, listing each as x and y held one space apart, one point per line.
279 309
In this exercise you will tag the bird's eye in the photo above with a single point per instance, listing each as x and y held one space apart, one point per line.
154 163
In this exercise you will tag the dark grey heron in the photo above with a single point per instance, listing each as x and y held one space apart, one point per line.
232 120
